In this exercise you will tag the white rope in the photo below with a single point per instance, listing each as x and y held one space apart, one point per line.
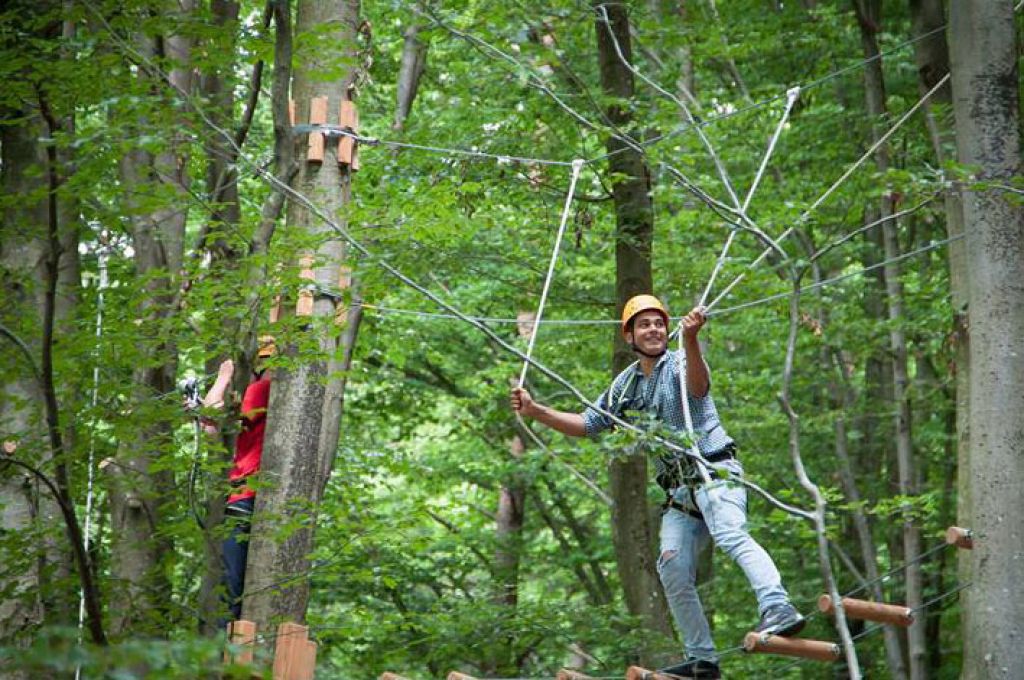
576 166
835 185
791 96
92 442
701 463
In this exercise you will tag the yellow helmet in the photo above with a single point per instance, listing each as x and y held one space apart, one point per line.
641 303
267 347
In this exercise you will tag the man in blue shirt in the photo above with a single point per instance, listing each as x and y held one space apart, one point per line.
695 512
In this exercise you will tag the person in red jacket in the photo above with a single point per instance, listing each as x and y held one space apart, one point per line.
248 453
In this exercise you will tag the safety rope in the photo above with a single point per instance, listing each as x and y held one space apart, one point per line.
835 185
538 317
791 96
577 165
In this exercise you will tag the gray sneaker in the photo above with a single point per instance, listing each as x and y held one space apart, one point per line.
782 620
693 669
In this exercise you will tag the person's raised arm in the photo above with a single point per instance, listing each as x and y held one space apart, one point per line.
567 423
215 397
698 380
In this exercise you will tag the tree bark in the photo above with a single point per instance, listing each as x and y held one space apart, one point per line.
22 256
869 15
932 57
986 90
303 415
414 61
40 268
632 530
137 494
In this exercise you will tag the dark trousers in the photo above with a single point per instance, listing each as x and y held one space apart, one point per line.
238 516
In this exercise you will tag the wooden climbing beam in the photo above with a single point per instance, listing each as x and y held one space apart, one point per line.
896 614
317 116
388 675
242 633
960 537
293 659
638 673
805 649
348 149
304 305
567 674
455 675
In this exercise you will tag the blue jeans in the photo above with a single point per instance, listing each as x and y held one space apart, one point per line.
724 506
236 553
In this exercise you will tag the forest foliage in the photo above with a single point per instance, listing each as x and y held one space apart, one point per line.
403 572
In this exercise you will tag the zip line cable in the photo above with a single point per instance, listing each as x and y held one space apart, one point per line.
383 310
512 158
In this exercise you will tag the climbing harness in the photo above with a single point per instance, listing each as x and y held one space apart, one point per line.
192 401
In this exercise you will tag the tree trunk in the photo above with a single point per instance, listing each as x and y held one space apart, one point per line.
218 87
932 56
137 494
986 90
39 260
632 530
305 401
22 255
414 61
869 16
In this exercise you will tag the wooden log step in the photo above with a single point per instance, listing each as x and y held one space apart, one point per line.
806 649
388 675
567 674
455 675
896 614
960 537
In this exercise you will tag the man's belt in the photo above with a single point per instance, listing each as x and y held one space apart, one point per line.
676 505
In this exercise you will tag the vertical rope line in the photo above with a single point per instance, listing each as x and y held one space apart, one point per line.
684 397
92 443
835 185
791 96
576 166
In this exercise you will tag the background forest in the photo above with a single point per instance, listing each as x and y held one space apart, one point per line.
158 209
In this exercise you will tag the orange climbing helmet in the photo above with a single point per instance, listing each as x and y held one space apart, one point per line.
641 303
266 347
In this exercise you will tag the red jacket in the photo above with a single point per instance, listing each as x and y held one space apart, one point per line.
249 445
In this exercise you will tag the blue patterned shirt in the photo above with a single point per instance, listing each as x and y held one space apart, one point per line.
659 395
